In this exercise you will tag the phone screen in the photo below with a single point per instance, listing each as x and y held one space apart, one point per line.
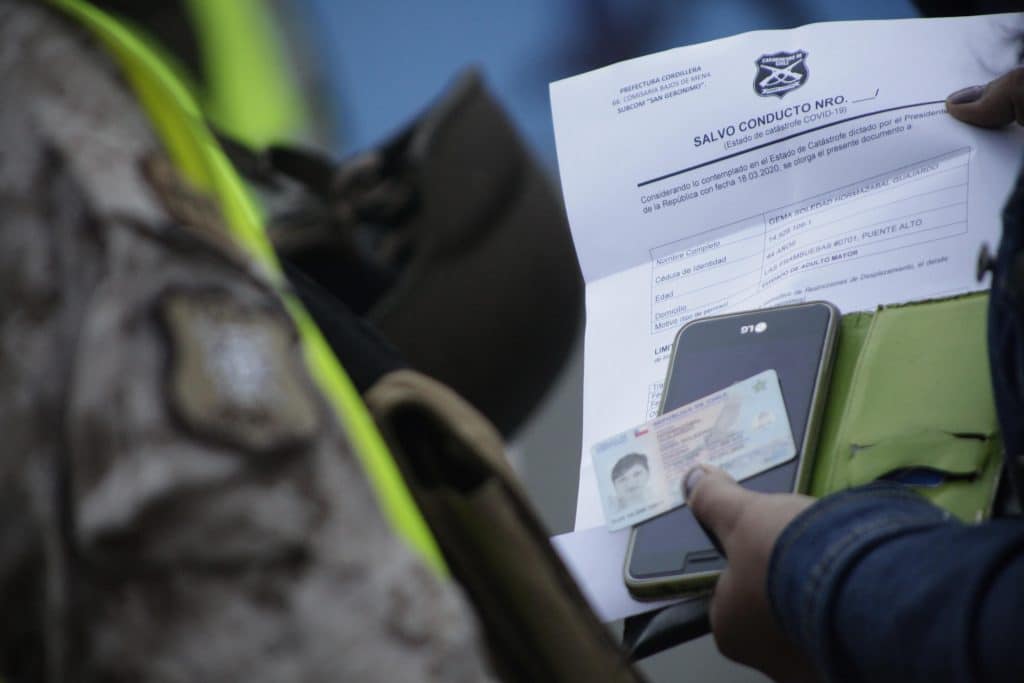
711 355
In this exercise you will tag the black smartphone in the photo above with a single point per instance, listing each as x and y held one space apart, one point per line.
671 554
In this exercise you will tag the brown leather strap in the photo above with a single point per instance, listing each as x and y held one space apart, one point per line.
538 625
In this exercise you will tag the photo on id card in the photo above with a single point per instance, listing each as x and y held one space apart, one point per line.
630 475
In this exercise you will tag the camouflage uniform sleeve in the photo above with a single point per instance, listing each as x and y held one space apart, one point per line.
177 502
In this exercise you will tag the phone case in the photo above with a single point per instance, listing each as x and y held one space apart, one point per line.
911 400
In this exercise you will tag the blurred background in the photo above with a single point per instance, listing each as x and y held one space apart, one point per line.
345 76
385 61
379 63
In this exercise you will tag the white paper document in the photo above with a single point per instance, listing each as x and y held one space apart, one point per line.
770 168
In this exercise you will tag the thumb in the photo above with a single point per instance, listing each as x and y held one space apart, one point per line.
716 500
991 106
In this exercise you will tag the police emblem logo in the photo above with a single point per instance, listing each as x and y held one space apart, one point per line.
780 73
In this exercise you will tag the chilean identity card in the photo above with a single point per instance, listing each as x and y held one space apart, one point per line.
742 429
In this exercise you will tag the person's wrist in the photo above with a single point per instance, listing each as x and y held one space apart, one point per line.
809 558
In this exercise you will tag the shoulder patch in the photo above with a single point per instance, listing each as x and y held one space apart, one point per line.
236 374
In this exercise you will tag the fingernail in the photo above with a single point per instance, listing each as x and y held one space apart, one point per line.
966 95
693 478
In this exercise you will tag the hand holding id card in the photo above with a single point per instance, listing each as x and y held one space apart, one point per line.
742 429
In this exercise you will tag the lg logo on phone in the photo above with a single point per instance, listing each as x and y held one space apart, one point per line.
756 328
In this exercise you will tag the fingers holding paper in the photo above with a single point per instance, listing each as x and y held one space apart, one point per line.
995 105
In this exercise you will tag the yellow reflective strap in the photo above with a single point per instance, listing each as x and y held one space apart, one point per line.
180 125
403 511
193 148
250 91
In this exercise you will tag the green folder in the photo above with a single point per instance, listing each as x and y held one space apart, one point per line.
911 400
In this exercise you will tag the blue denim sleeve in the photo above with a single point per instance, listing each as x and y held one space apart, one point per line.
877 584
